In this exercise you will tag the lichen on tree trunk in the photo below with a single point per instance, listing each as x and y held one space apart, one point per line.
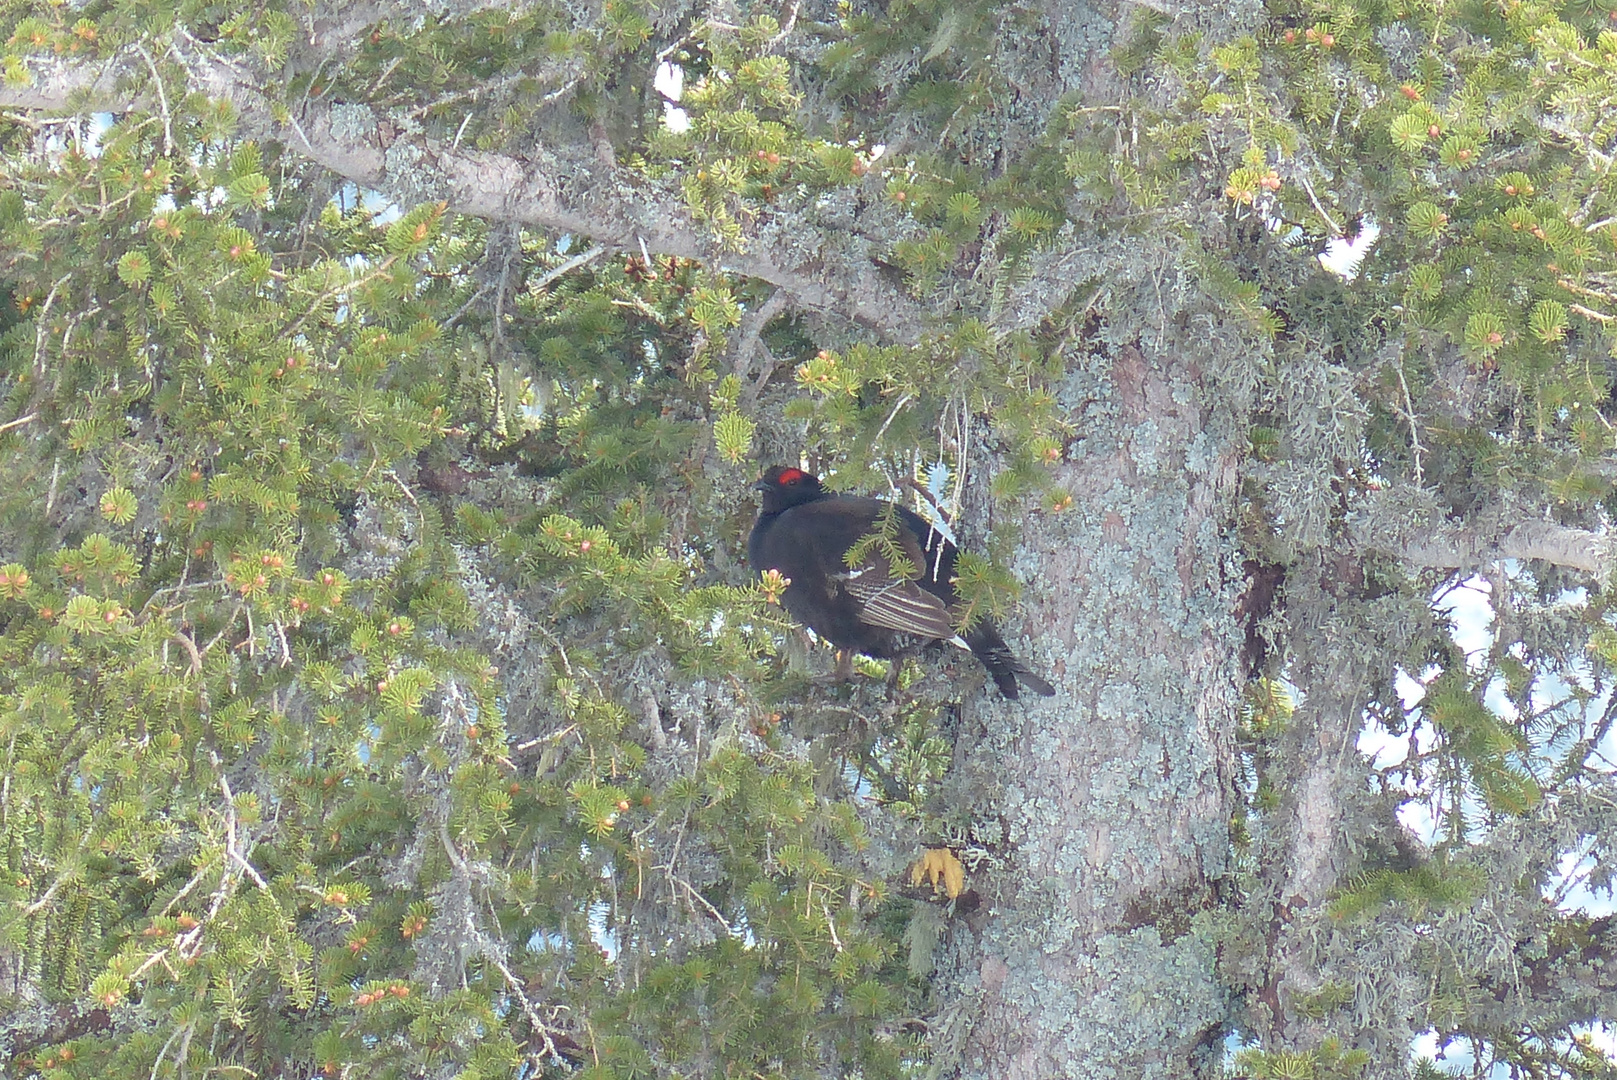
1103 813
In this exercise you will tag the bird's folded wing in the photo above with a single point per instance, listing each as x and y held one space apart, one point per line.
896 604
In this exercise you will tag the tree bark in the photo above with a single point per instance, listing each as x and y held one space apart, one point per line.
1106 810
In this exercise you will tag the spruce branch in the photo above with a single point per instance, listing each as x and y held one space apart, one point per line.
1465 548
560 188
752 328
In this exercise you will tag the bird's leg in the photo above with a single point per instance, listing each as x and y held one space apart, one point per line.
895 669
842 674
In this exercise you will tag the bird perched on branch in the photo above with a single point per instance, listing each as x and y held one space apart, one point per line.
898 591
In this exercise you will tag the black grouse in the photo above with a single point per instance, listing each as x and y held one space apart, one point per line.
804 532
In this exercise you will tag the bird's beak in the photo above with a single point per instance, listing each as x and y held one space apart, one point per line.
760 485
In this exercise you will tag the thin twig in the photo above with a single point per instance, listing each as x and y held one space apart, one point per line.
286 650
711 910
752 327
831 925
766 371
223 630
196 879
554 736
1589 313
571 264
44 323
1574 287
925 493
539 1026
560 650
482 290
785 31
44 901
162 101
903 401
50 493
562 89
191 650
637 304
151 961
450 849
231 847
336 294
1414 430
382 78
163 1053
1336 230
408 494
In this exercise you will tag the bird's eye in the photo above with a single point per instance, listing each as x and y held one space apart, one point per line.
792 482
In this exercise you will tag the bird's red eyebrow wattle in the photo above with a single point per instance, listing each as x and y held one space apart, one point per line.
788 475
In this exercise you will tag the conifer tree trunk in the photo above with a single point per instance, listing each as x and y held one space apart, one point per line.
1108 806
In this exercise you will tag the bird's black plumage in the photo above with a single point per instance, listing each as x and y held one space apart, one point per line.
805 532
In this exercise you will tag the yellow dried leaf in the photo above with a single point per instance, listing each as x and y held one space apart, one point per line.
940 866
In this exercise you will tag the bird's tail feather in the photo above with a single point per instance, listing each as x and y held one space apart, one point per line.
1002 664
